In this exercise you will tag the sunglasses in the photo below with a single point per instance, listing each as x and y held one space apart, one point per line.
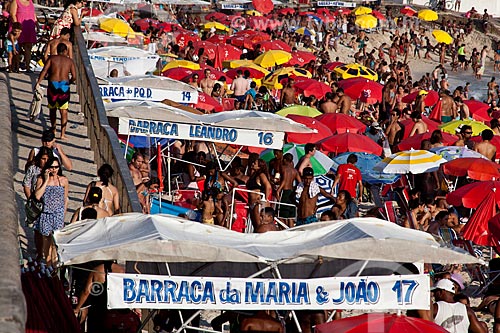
467 132
54 167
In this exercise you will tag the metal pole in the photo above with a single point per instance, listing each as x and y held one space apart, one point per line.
294 315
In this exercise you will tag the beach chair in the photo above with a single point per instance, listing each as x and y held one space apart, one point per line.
448 235
390 211
476 272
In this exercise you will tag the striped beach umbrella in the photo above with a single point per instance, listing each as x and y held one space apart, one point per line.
410 161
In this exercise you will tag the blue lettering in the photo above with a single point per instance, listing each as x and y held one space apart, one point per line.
271 293
195 286
373 292
350 292
361 294
284 293
156 287
128 290
183 292
143 291
153 129
169 291
174 130
208 293
302 294
149 93
254 295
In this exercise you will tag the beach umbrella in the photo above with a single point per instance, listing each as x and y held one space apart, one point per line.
342 123
181 63
275 44
310 87
321 164
332 65
273 80
351 142
254 73
272 58
184 37
408 124
381 323
342 11
361 10
168 26
430 98
408 11
476 168
367 91
178 73
263 6
305 32
91 12
322 131
477 127
450 153
410 161
241 41
494 230
286 11
413 142
427 15
215 25
365 164
366 21
253 12
471 195
217 39
208 48
238 63
116 26
207 103
255 36
227 52
146 23
217 16
476 229
301 58
478 110
322 11
300 110
355 70
378 15
442 37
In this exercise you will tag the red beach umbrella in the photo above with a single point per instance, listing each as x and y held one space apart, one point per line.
216 39
145 23
168 27
408 11
342 11
475 168
379 322
254 73
494 229
228 52
301 58
91 12
286 11
159 159
216 16
311 87
323 11
378 15
179 73
476 229
241 41
184 37
413 142
350 142
430 99
263 6
208 48
301 138
367 90
332 65
207 103
342 123
478 110
275 45
471 195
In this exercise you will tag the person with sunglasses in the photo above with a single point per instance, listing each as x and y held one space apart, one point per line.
52 189
464 134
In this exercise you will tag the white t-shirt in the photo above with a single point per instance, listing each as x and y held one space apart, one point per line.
452 317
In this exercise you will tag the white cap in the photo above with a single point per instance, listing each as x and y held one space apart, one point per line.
212 29
376 125
444 284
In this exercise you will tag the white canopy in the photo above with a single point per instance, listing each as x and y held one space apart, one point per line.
102 37
153 81
164 238
127 60
149 111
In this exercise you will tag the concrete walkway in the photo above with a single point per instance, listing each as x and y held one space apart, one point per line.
26 135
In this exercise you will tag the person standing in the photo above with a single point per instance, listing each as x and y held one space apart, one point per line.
207 84
68 18
58 68
305 161
23 11
307 195
349 178
51 48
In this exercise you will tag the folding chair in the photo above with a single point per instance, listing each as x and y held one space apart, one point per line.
390 211
448 235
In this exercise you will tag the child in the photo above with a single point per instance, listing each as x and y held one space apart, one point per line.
13 47
207 208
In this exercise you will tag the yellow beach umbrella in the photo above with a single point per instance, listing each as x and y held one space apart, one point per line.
116 26
355 70
361 10
215 25
237 63
181 63
300 110
427 15
477 127
253 13
272 58
273 80
366 21
442 37
305 32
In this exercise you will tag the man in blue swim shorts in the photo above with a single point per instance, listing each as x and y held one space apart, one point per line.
307 196
58 68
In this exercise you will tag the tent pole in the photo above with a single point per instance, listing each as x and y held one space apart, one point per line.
168 174
294 315
217 156
232 158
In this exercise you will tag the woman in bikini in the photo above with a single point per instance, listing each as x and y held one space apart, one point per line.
94 198
110 200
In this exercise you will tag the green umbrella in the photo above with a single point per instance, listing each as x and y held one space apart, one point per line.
300 110
321 164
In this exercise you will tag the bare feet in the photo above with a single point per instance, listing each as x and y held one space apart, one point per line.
64 138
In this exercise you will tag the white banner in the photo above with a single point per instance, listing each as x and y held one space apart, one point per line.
235 6
336 4
118 92
185 292
122 59
166 129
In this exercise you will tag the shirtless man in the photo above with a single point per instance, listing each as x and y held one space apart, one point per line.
307 192
288 95
344 103
485 147
266 221
261 322
58 68
207 84
328 106
305 161
285 193
448 107
393 52
420 126
444 84
135 170
420 101
239 87
463 109
51 48
492 90
395 130
464 133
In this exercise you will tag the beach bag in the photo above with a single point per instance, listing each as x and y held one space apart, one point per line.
33 208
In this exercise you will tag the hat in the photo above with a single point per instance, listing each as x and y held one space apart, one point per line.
48 136
212 30
244 51
376 125
458 279
444 284
422 92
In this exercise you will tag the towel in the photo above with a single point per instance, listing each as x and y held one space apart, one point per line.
36 103
313 189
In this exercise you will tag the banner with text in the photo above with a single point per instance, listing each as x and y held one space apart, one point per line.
166 129
184 292
336 4
118 92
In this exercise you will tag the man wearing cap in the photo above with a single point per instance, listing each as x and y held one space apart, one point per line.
307 196
453 316
49 141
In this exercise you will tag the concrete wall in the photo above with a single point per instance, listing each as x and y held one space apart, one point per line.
12 303
492 6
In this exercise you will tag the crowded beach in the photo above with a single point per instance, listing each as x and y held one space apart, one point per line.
252 128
